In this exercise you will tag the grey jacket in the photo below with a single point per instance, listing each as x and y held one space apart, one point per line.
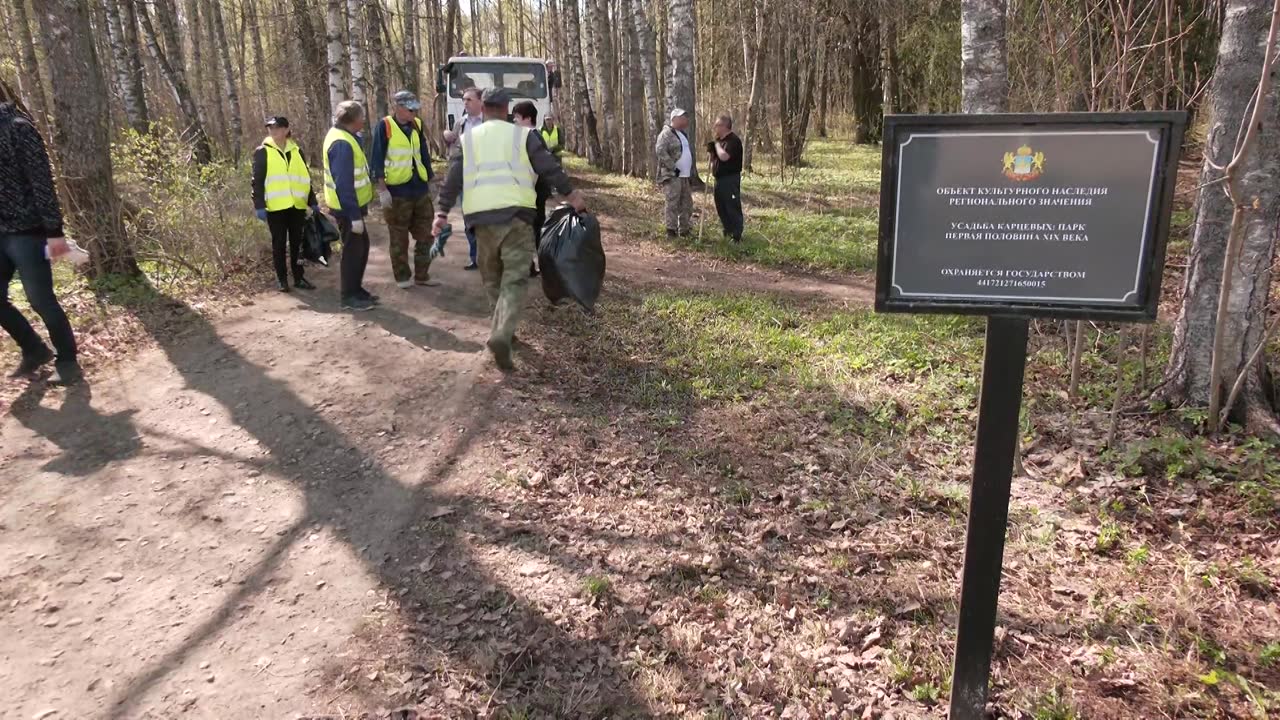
546 165
668 151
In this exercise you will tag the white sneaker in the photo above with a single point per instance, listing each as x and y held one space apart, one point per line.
404 284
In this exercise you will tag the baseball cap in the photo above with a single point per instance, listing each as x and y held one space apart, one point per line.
496 97
407 100
279 121
678 113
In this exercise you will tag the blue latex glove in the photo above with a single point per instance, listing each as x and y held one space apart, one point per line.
437 247
262 215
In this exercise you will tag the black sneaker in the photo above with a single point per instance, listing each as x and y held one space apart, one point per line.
303 284
357 304
501 354
66 372
32 362
282 286
472 266
362 293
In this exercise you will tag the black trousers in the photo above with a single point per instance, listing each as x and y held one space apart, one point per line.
355 257
729 204
286 226
24 255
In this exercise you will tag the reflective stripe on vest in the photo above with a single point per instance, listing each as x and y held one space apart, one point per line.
360 175
288 184
403 153
496 172
551 137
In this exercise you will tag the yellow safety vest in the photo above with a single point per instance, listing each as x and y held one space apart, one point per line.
364 190
288 182
496 172
403 153
552 138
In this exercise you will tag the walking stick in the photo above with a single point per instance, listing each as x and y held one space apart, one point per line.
702 216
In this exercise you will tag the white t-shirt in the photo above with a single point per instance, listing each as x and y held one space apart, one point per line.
684 166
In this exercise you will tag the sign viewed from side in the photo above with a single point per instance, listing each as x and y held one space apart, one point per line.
1063 215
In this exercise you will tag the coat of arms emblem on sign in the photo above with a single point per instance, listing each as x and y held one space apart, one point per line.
1024 164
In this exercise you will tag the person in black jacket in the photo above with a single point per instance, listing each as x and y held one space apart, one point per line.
288 202
31 235
525 114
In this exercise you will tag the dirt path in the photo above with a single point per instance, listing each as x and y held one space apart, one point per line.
217 527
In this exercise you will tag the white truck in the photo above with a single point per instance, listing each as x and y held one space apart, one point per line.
524 78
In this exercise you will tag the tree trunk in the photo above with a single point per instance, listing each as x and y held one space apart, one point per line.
824 79
209 91
29 82
638 142
377 61
502 27
195 69
1188 377
579 79
606 86
355 50
254 29
316 69
412 71
171 68
889 64
81 121
128 71
757 85
984 70
649 75
228 78
475 27
335 24
680 85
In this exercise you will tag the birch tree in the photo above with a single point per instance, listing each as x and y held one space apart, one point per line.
590 138
316 71
228 77
984 69
649 74
1245 206
377 75
170 63
606 81
411 45
335 25
681 38
355 50
128 66
81 121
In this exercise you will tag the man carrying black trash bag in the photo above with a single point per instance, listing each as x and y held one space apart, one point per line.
498 164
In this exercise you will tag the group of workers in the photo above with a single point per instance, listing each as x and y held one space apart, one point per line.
503 172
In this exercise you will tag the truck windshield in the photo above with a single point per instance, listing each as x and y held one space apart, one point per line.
522 80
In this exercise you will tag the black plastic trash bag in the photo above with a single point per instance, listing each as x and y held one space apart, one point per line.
571 258
317 234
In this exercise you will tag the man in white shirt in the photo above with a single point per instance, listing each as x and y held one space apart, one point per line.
473 115
676 171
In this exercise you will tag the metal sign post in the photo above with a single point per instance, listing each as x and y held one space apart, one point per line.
1013 217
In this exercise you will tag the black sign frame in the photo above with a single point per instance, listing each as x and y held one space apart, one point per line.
1171 126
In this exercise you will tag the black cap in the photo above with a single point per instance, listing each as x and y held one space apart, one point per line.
279 121
496 97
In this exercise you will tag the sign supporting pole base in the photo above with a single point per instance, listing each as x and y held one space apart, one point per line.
999 405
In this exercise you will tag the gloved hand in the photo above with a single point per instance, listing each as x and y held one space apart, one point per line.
384 198
357 227
262 214
437 247
312 210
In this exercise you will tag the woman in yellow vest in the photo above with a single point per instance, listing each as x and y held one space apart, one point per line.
283 197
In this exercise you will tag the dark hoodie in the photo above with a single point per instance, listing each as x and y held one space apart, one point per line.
28 198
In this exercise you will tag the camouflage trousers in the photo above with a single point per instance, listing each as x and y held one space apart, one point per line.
679 206
405 217
505 252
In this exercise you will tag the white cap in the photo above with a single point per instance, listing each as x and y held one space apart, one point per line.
678 113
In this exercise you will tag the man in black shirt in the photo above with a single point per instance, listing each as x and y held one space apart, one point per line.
726 166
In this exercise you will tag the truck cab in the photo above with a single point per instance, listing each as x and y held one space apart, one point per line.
529 79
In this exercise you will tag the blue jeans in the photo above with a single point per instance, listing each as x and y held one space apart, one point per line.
25 255
471 244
